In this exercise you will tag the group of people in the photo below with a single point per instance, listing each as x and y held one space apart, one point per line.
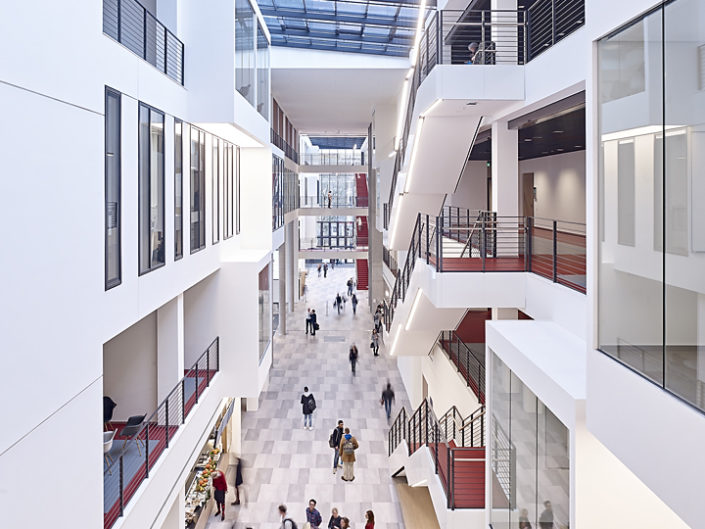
314 520
311 322
324 267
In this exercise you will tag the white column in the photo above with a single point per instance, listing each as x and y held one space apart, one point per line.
170 346
505 169
284 286
292 255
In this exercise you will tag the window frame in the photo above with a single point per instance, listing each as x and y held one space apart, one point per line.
111 92
179 255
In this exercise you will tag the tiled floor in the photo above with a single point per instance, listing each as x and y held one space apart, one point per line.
287 464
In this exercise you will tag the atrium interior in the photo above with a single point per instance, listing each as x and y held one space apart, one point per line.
392 264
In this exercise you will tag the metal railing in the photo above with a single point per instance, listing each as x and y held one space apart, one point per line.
390 261
470 364
322 243
129 23
321 201
338 157
457 452
550 21
126 472
458 241
502 37
280 142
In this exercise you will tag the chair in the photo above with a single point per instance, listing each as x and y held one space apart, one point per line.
108 407
108 438
133 426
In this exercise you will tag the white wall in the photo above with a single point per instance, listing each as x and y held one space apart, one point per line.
130 369
472 188
445 385
200 319
560 186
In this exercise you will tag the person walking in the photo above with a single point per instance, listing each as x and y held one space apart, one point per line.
238 481
287 523
377 318
313 517
353 357
334 442
319 269
350 286
546 517
354 304
387 399
330 197
524 522
221 487
338 302
325 270
335 521
375 342
314 322
370 519
348 445
308 405
308 320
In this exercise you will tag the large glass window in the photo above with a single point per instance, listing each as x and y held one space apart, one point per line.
265 314
245 50
198 189
530 467
112 189
178 190
215 190
262 73
151 188
277 192
228 191
651 112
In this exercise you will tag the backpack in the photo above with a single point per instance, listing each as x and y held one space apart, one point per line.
331 439
310 404
292 522
348 447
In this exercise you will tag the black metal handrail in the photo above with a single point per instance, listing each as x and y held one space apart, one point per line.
453 242
550 21
335 157
129 23
280 142
398 431
471 365
160 427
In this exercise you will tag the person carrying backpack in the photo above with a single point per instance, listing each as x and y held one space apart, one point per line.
334 443
308 405
354 304
348 445
353 357
287 523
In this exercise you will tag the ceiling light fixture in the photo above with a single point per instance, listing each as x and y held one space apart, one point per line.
419 32
396 342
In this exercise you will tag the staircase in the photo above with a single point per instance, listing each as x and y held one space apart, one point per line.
456 445
361 190
362 274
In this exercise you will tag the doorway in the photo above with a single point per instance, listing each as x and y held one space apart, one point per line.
528 194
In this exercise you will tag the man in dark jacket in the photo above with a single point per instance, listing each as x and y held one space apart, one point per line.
335 438
314 323
353 357
308 404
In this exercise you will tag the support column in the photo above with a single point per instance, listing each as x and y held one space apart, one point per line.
292 260
505 169
375 276
170 346
284 287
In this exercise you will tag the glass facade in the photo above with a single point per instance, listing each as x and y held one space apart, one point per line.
335 232
198 189
265 313
113 273
529 457
652 252
215 191
277 192
245 50
263 99
178 190
151 188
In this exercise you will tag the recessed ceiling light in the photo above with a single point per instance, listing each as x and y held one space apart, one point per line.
560 150
578 146
528 139
558 131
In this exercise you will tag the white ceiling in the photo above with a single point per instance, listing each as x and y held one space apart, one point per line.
331 92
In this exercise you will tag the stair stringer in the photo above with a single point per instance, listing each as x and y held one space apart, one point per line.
420 472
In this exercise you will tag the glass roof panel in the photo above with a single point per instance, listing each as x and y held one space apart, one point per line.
367 26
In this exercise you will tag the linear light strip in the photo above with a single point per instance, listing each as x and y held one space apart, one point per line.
414 307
